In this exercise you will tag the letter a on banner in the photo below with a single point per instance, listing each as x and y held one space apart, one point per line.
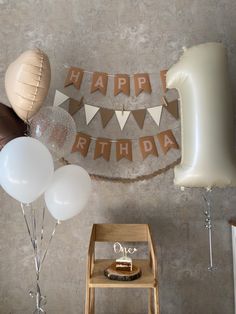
74 76
148 146
99 82
123 149
102 149
81 144
167 141
121 84
142 83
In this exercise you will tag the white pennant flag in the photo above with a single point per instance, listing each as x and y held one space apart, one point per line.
155 113
122 117
59 98
90 112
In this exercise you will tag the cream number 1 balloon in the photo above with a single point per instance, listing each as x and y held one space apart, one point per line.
202 80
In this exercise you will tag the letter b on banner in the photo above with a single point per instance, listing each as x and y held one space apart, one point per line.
202 81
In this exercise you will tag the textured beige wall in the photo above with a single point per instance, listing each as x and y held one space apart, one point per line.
120 36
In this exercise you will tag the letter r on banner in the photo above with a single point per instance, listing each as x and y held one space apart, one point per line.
81 144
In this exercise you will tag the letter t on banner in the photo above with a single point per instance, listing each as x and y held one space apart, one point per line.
123 149
102 149
81 144
148 146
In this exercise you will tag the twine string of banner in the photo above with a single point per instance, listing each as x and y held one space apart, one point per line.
38 258
113 75
144 177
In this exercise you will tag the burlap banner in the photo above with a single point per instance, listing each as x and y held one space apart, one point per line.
121 82
124 149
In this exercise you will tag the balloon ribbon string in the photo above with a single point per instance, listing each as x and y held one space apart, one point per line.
40 300
49 242
208 225
26 223
42 229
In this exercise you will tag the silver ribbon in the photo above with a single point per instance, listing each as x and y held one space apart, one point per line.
208 225
37 247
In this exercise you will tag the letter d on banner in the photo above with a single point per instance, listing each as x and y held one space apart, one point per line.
148 146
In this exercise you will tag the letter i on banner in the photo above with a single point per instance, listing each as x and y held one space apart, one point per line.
147 146
74 76
102 149
81 144
121 84
99 82
167 141
123 149
142 83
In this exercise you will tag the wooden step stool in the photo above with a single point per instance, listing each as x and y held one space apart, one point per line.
95 277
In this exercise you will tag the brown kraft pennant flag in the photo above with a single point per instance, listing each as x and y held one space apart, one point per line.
139 116
102 149
81 144
74 76
163 80
75 105
172 108
122 84
167 141
148 146
142 83
106 115
99 82
123 149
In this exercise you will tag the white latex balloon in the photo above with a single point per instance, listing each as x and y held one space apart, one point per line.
201 78
68 192
26 168
56 129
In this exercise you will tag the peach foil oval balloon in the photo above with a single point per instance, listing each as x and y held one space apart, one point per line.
202 80
27 82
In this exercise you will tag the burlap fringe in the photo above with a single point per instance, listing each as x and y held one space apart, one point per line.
129 180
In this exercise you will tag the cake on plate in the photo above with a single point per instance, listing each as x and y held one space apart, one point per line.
124 263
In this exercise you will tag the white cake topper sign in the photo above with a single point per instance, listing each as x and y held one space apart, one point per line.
118 248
